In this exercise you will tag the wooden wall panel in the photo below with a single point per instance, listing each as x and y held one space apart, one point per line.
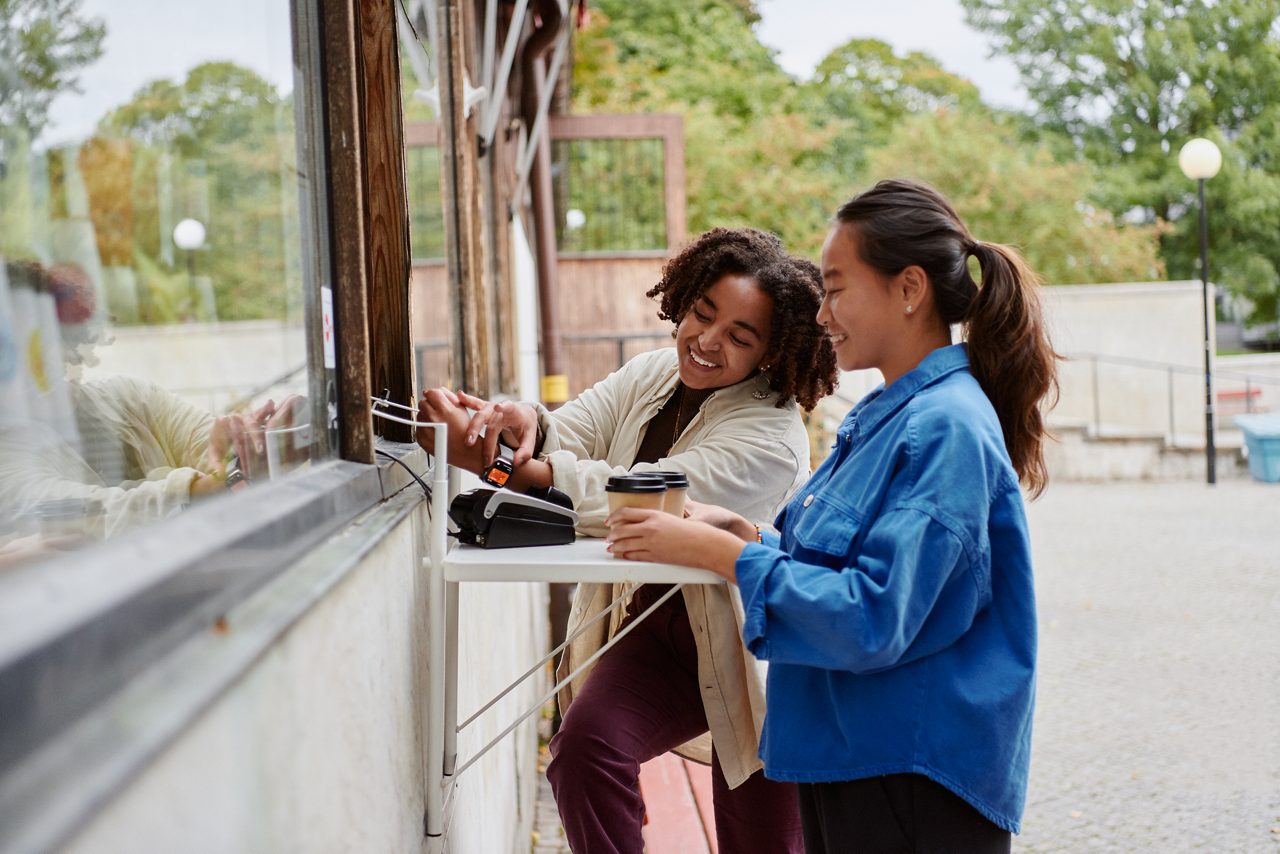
603 296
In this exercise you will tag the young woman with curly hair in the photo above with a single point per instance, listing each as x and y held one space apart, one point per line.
895 606
723 407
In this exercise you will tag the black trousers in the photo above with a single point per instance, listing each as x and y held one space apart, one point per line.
894 813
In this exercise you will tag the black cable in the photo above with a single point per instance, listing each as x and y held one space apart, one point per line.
426 490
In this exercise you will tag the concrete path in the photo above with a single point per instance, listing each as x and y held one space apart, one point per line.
1158 710
1158 713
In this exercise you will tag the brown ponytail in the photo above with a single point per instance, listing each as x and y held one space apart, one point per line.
904 223
1011 357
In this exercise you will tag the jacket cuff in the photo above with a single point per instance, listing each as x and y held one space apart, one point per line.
752 571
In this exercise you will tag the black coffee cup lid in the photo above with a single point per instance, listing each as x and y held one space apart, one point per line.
636 483
675 479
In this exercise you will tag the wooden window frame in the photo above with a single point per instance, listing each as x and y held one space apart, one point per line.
667 127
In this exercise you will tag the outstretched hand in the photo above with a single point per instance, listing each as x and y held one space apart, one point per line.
241 434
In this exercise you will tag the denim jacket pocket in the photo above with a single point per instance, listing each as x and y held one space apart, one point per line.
828 528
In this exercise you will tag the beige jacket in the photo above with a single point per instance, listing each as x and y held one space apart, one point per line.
740 452
147 446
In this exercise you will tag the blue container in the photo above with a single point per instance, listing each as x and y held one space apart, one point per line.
1262 438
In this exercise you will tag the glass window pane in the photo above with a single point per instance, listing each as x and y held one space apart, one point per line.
152 339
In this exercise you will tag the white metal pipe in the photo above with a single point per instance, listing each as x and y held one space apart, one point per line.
490 43
418 58
450 721
498 92
436 654
544 104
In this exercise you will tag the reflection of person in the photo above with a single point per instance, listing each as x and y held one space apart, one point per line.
141 452
146 454
896 608
722 408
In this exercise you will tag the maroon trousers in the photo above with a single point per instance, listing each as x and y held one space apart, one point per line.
640 701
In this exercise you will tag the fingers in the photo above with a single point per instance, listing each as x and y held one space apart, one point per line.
478 423
490 446
262 413
629 515
469 400
439 405
523 451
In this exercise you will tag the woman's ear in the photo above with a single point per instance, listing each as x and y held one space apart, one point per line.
913 286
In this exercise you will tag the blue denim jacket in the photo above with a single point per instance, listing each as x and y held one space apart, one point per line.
896 611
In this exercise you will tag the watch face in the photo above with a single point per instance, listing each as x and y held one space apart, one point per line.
497 474
235 477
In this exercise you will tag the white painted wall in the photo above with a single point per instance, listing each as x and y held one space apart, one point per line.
319 748
1153 322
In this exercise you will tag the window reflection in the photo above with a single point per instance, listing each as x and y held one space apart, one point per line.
152 343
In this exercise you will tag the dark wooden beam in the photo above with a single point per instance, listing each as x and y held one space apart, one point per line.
340 25
386 211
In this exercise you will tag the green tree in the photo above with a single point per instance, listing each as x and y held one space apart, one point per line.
222 143
754 154
44 45
869 88
1129 81
1010 192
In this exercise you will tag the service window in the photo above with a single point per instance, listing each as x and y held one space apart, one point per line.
154 312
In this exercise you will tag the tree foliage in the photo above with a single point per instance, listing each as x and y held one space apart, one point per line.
44 45
754 155
868 87
1008 191
766 150
1129 81
218 146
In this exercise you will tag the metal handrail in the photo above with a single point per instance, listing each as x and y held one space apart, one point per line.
1131 362
1170 370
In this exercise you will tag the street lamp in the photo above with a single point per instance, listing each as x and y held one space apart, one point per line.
188 234
1200 160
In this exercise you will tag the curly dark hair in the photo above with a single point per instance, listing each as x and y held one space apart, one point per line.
804 365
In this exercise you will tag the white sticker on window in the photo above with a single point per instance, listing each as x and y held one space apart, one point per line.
326 311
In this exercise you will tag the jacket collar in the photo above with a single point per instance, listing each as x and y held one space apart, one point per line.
882 402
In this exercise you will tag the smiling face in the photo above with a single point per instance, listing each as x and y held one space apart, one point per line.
861 309
723 337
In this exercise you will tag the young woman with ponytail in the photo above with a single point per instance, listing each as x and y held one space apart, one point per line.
895 604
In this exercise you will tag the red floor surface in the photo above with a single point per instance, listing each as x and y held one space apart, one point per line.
677 798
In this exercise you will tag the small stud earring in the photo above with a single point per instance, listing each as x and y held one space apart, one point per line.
909 309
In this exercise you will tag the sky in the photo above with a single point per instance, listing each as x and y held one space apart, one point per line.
804 31
148 39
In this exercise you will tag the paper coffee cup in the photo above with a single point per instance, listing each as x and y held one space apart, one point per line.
677 490
645 491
